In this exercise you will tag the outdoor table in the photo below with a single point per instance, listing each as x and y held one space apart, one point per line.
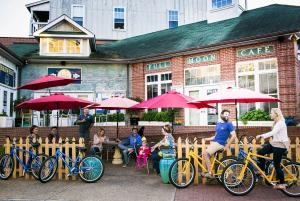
117 158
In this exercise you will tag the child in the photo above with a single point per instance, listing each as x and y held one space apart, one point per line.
143 153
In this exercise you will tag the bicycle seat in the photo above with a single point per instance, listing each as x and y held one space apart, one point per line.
81 149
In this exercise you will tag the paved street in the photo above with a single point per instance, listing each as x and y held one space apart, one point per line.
122 184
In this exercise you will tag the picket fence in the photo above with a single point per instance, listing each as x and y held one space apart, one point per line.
48 148
183 149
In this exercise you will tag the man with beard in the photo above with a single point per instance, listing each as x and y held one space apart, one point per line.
224 128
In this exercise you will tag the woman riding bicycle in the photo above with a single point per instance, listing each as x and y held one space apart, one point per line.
278 146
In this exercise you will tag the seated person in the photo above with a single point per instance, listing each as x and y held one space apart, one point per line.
99 138
143 153
53 134
132 143
34 130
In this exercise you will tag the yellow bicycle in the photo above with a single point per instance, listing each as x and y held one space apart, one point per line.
239 178
182 170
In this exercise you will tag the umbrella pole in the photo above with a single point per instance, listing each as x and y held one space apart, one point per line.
236 118
117 124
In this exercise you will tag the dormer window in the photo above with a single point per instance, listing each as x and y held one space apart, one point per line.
216 4
64 46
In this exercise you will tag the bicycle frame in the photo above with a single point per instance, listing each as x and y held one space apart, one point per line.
197 160
13 152
73 168
269 178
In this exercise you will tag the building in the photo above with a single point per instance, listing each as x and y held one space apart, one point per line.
9 68
119 19
256 50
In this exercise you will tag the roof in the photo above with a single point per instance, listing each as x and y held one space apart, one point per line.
28 6
10 55
262 22
258 23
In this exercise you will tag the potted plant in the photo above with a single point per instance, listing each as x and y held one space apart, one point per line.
18 118
133 115
256 118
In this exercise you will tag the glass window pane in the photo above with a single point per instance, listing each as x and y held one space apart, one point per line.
56 45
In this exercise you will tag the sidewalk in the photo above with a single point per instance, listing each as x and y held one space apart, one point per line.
117 184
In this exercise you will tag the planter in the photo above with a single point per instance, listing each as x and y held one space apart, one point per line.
255 123
6 121
152 123
110 123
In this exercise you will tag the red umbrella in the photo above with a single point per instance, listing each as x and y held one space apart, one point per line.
171 99
55 101
114 103
46 82
236 95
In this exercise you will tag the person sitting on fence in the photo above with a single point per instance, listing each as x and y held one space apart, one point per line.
278 146
132 143
143 153
165 148
99 138
53 134
34 130
224 129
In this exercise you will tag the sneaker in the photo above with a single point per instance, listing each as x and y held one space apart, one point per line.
124 166
280 186
208 175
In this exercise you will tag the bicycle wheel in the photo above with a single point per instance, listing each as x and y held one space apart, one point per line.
48 169
6 166
293 185
91 169
36 164
231 181
181 173
219 167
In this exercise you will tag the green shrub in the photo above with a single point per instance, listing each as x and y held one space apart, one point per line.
114 117
162 116
149 116
255 115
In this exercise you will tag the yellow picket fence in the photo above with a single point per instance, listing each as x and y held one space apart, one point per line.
183 149
48 148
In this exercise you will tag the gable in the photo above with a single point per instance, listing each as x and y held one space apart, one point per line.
64 26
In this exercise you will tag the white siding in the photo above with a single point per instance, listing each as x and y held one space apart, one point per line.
142 16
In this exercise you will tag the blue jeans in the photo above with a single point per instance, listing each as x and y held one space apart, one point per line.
95 150
155 159
124 150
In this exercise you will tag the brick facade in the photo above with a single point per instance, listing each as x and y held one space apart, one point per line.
288 73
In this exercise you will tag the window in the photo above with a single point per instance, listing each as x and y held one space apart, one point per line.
158 84
64 46
73 46
260 76
78 14
5 102
173 18
11 108
56 45
119 18
221 3
203 75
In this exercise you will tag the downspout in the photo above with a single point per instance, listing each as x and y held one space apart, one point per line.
128 80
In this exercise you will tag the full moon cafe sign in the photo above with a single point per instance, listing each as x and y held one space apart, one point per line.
255 51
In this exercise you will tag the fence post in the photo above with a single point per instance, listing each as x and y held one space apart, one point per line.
7 146
297 149
21 156
196 165
73 153
66 145
60 161
179 152
203 148
289 155
187 151
236 147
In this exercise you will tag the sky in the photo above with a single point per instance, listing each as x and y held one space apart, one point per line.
14 17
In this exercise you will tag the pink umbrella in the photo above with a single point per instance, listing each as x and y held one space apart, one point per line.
55 101
46 82
171 99
114 103
236 95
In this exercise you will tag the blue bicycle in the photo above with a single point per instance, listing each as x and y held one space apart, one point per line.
32 164
89 168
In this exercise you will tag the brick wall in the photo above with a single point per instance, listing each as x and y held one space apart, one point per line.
10 40
153 133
